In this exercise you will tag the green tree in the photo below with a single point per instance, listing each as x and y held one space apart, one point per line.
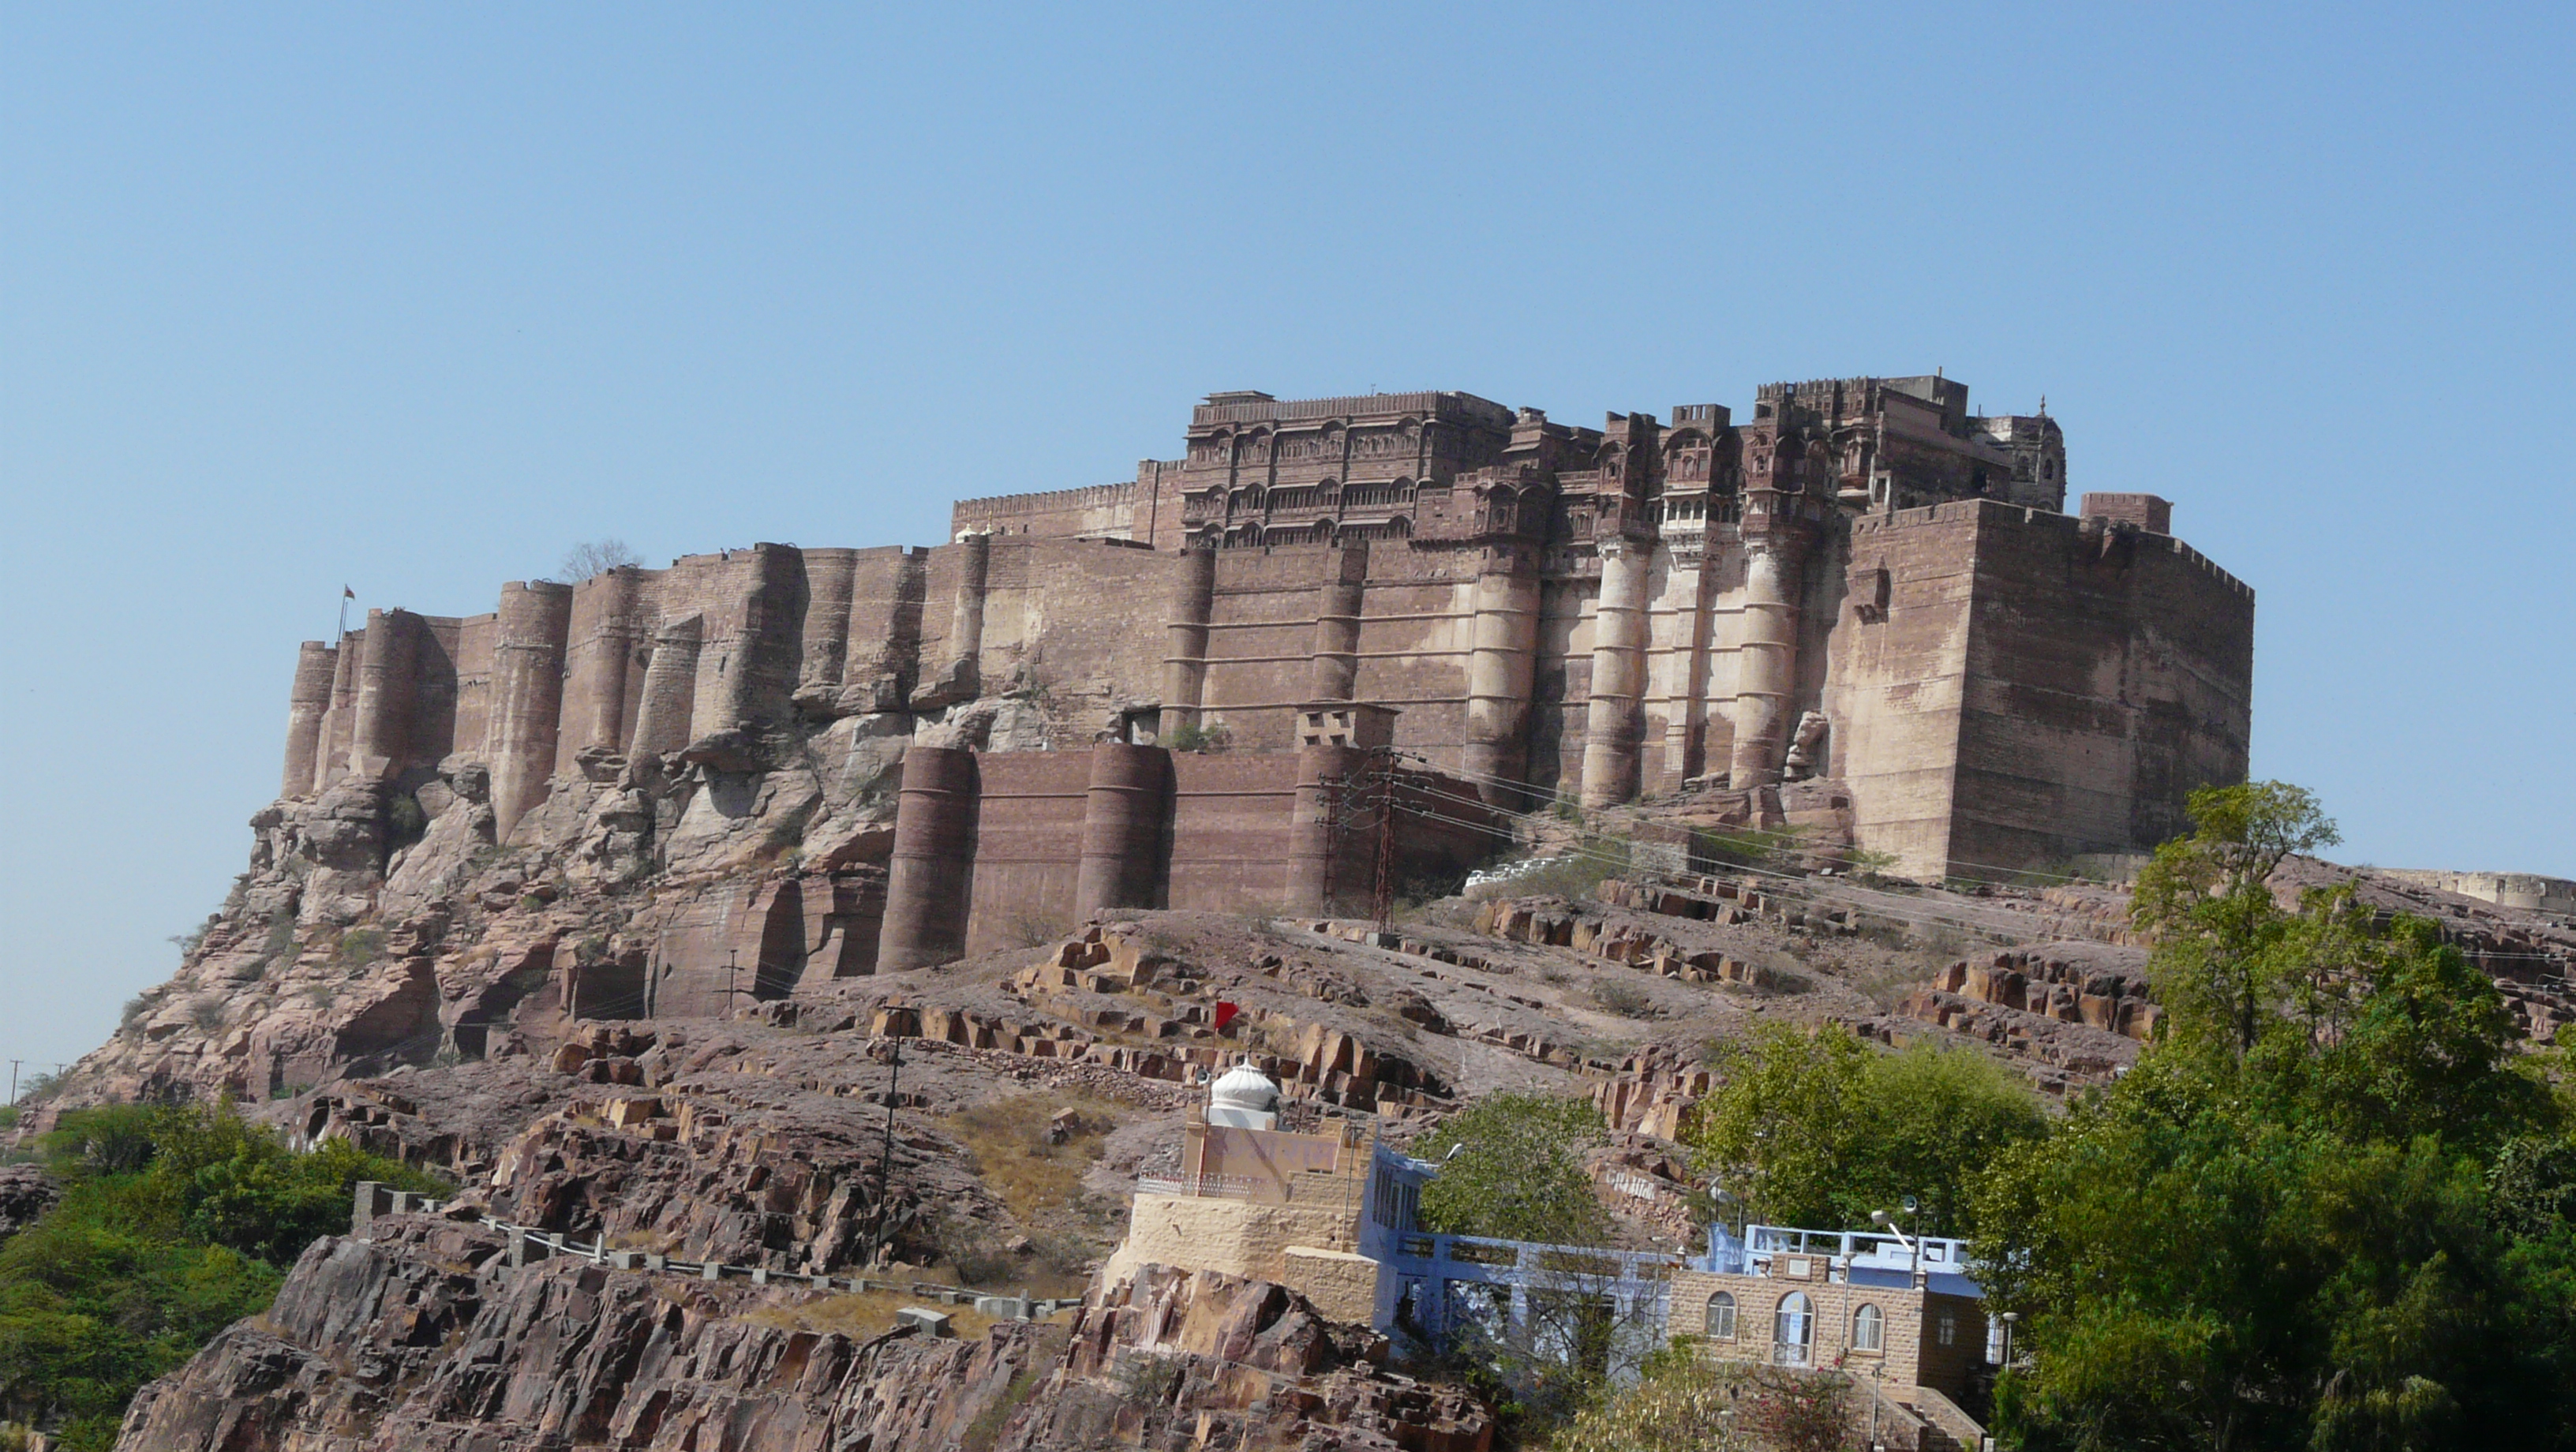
2207 899
1819 1128
2327 1211
175 1222
1511 1168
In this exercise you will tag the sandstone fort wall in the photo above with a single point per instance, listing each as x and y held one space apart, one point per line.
1863 582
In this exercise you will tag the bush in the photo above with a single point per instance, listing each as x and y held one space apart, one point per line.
1576 875
1680 1401
359 946
1212 737
175 1223
1624 999
405 821
971 1250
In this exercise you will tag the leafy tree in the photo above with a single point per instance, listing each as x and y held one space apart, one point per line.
2207 899
1819 1128
175 1222
1511 1168
2329 1210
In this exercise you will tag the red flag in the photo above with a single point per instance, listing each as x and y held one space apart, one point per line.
348 594
1225 1013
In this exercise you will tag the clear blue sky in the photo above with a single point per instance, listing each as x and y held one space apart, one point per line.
414 297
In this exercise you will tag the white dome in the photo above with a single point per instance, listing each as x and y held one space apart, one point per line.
1246 1090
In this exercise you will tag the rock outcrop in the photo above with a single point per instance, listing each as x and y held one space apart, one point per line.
421 1338
26 1193
389 922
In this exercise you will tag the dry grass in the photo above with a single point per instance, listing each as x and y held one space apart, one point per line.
1008 1138
861 1314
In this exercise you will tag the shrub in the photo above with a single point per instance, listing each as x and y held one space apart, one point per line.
1623 999
1678 1401
1031 926
405 821
1212 737
359 946
1868 866
174 1224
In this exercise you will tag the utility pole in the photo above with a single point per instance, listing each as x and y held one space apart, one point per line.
885 1155
729 982
1383 898
1337 820
13 1081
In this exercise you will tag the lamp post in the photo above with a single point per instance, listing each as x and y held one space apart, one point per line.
1913 1247
1875 1372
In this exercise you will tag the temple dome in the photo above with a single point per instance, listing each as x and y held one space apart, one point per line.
1244 1096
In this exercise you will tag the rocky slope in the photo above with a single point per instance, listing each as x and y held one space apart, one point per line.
421 1338
387 973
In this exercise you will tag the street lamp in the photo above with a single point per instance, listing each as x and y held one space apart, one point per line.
1912 1247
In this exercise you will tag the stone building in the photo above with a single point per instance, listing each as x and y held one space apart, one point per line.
1888 1308
1332 1215
1863 582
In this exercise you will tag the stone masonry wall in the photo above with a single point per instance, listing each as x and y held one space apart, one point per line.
2000 686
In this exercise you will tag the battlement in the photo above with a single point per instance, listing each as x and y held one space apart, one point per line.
1254 407
1087 496
1096 511
2073 530
2146 511
1837 399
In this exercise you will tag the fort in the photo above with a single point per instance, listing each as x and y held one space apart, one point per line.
1862 585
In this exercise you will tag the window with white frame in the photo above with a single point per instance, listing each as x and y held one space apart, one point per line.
1949 1327
1793 1329
1721 1317
1869 1329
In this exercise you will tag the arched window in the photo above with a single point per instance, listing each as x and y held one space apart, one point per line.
1721 1317
1869 1329
1793 1329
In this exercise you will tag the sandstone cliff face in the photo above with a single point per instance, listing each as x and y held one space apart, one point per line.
383 923
419 1339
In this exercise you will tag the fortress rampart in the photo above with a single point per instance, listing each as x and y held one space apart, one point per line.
1863 581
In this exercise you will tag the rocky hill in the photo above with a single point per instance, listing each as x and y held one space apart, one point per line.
399 979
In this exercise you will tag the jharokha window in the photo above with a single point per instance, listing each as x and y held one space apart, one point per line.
1721 1317
1869 1329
